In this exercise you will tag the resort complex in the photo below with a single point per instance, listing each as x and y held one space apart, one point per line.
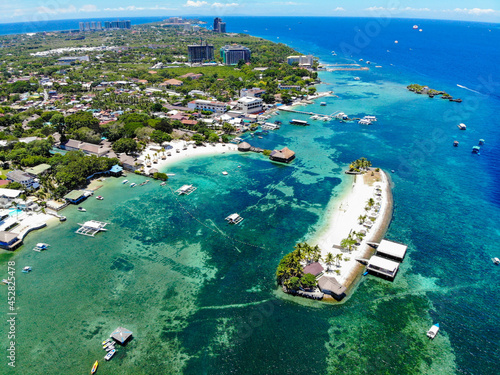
178 196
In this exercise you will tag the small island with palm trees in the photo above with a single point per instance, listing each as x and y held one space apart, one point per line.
328 265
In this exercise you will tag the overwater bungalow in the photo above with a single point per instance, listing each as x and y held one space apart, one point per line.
284 155
383 267
392 249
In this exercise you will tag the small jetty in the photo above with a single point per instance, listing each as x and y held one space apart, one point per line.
431 333
234 219
462 126
91 228
41 247
185 190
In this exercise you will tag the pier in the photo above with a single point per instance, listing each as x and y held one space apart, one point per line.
307 113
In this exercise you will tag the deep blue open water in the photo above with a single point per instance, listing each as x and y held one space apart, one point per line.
200 296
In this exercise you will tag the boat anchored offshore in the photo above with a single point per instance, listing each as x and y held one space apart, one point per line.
110 354
462 126
100 198
124 181
41 246
81 209
94 368
455 143
496 261
133 184
431 333
26 269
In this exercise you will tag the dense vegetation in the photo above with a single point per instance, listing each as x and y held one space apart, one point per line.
360 165
290 271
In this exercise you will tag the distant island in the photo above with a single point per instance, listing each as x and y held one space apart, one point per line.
425 90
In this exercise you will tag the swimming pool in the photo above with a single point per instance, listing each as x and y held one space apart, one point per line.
15 212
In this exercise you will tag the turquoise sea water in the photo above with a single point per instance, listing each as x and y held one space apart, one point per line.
200 295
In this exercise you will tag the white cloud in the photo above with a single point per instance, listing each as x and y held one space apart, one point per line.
195 4
88 8
339 9
47 10
220 5
407 9
474 11
134 8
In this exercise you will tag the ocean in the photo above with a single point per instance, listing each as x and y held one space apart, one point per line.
201 297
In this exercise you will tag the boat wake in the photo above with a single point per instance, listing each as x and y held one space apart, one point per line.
466 88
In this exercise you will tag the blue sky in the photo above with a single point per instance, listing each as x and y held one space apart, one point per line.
39 10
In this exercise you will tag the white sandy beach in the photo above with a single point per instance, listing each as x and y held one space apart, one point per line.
344 219
217 148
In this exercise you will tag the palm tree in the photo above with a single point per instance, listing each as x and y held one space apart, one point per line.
329 259
344 243
370 202
338 258
361 219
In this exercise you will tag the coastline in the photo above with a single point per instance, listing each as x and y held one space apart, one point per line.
161 165
344 219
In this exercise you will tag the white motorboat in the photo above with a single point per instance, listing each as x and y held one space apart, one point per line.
124 181
110 354
496 260
431 333
81 209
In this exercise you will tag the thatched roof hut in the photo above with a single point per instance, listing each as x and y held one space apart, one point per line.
152 171
284 155
330 285
244 147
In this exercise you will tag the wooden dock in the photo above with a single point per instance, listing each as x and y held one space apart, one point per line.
308 113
